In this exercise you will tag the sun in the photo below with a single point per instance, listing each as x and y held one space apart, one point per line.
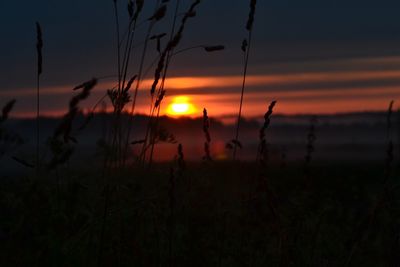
180 106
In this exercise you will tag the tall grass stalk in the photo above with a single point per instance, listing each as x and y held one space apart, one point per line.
133 17
310 148
115 139
152 129
118 41
122 73
246 48
39 47
271 199
381 201
398 137
119 151
161 90
206 131
389 141
117 128
161 71
138 82
262 155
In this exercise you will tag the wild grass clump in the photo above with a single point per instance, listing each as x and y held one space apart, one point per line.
161 73
59 143
65 127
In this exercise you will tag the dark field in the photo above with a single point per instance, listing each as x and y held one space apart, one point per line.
320 194
207 214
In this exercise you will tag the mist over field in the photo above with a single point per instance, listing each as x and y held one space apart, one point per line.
348 137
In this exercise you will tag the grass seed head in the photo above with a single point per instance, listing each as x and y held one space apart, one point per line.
214 48
160 98
170 46
6 110
65 127
139 8
160 13
130 8
39 47
244 45
250 21
263 146
130 82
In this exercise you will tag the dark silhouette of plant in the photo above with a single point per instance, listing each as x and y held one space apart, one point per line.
161 73
62 136
310 148
206 130
246 46
8 140
39 47
6 110
389 140
262 155
382 199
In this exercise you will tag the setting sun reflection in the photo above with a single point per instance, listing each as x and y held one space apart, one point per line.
181 105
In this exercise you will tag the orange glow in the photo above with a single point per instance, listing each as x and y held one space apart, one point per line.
180 105
342 85
179 84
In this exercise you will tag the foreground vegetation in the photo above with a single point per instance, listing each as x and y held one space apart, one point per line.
209 214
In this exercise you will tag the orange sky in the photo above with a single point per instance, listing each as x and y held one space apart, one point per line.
349 86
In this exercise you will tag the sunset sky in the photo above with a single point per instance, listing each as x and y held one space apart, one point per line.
311 56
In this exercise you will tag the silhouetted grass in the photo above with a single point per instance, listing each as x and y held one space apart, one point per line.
246 47
39 47
157 210
114 212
